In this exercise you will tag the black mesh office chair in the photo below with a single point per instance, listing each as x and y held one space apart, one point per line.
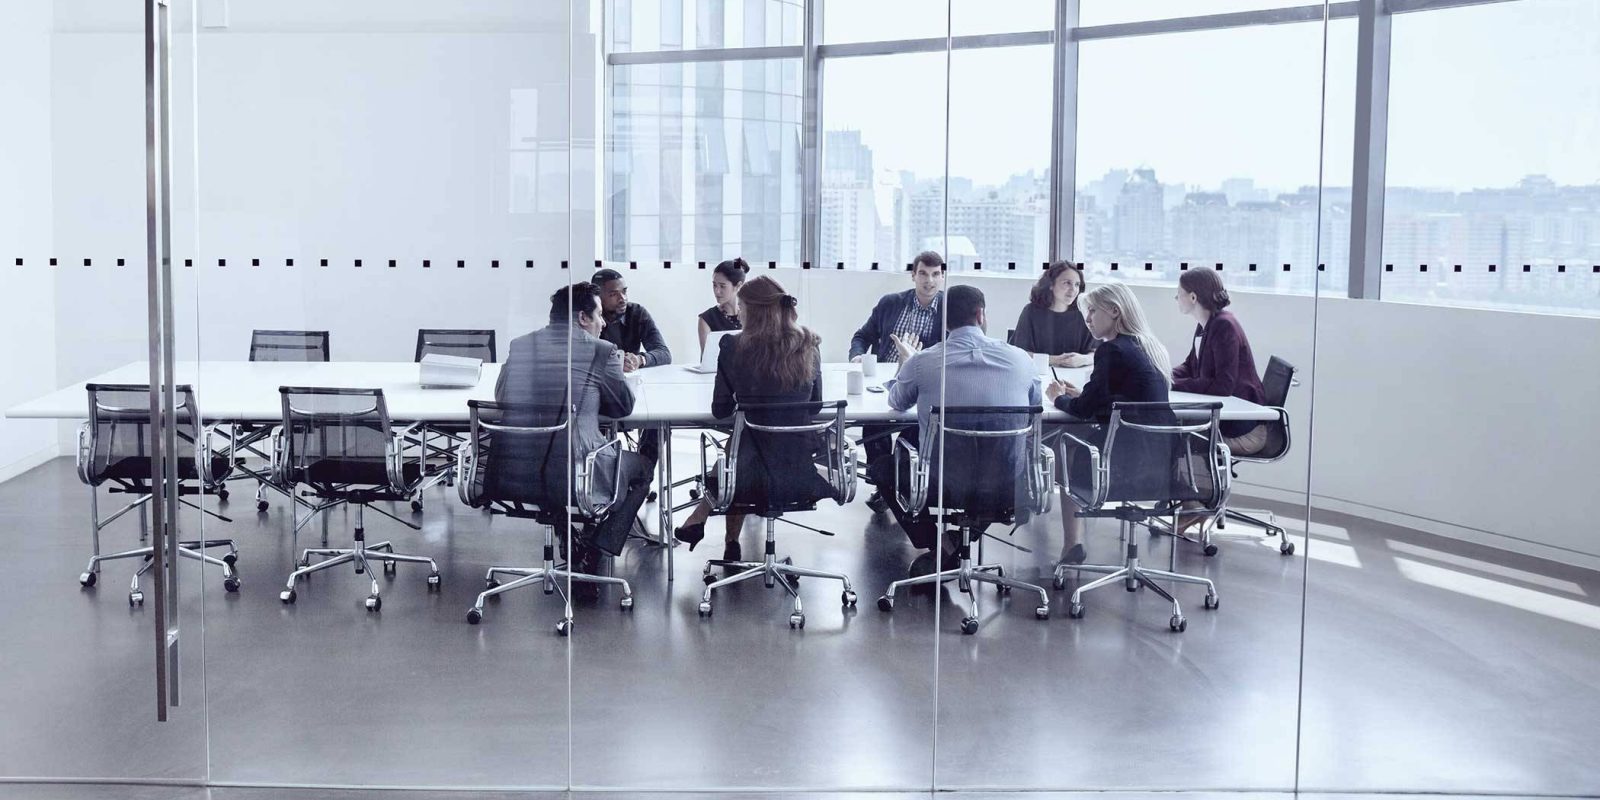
288 345
1279 378
273 345
115 447
1142 472
517 462
985 465
477 344
781 458
338 443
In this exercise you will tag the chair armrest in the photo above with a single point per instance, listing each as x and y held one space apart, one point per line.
722 467
1041 478
1098 475
918 497
84 457
466 469
203 453
280 463
394 457
841 465
585 498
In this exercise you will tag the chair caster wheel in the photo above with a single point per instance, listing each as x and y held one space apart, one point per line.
261 505
490 583
135 598
474 616
1075 611
705 608
626 603
230 584
694 494
433 582
389 569
222 495
1059 582
847 598
1211 602
549 589
1286 547
1210 550
374 603
1131 585
230 559
287 596
88 579
1041 612
651 497
969 626
886 603
564 627
708 579
416 506
1178 623
797 621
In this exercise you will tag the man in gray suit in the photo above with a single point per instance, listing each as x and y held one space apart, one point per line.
532 374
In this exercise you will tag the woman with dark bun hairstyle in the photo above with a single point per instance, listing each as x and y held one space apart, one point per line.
724 316
1220 362
773 360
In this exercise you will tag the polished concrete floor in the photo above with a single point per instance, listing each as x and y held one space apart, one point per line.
1429 665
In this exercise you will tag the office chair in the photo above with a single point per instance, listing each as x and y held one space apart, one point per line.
795 456
1279 377
339 444
477 344
115 445
973 485
1144 472
517 462
275 345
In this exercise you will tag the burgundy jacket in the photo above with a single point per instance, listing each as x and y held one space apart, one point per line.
1223 366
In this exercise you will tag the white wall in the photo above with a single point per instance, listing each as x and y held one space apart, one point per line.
27 327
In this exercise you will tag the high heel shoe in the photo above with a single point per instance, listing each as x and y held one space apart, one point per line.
690 534
731 552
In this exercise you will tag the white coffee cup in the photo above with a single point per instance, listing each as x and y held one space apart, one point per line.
869 365
854 383
1041 363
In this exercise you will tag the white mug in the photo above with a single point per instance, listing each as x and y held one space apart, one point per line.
869 365
1041 363
854 383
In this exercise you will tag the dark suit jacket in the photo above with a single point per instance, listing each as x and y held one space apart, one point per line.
873 337
774 469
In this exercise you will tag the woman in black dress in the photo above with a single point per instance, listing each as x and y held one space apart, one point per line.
724 316
1051 323
774 360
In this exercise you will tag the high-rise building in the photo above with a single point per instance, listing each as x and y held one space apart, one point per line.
1140 217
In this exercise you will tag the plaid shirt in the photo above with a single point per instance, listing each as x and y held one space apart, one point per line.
916 322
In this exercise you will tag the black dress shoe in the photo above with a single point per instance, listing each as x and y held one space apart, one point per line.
877 503
690 534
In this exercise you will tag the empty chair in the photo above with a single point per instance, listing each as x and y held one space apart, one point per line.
780 458
1143 472
517 461
477 344
115 447
339 444
995 469
288 345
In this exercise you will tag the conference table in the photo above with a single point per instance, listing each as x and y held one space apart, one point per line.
666 397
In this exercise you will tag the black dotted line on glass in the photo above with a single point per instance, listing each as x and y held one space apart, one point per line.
977 266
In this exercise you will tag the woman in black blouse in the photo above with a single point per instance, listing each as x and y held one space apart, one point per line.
1129 365
1051 322
774 360
724 316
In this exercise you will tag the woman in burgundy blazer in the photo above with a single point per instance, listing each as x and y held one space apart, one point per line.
1220 362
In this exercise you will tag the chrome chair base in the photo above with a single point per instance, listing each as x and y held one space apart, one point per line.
1133 576
194 549
773 572
552 579
361 555
968 574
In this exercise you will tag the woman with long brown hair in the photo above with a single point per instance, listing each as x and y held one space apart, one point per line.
774 359
1052 323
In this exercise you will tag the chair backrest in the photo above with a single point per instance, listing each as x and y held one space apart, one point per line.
117 441
786 457
984 459
1275 384
335 436
517 454
1011 336
1163 452
477 344
289 345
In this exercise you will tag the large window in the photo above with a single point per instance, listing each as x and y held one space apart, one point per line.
1494 113
650 25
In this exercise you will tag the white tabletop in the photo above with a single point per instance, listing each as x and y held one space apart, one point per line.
248 391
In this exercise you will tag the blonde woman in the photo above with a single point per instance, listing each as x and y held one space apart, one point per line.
1130 365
